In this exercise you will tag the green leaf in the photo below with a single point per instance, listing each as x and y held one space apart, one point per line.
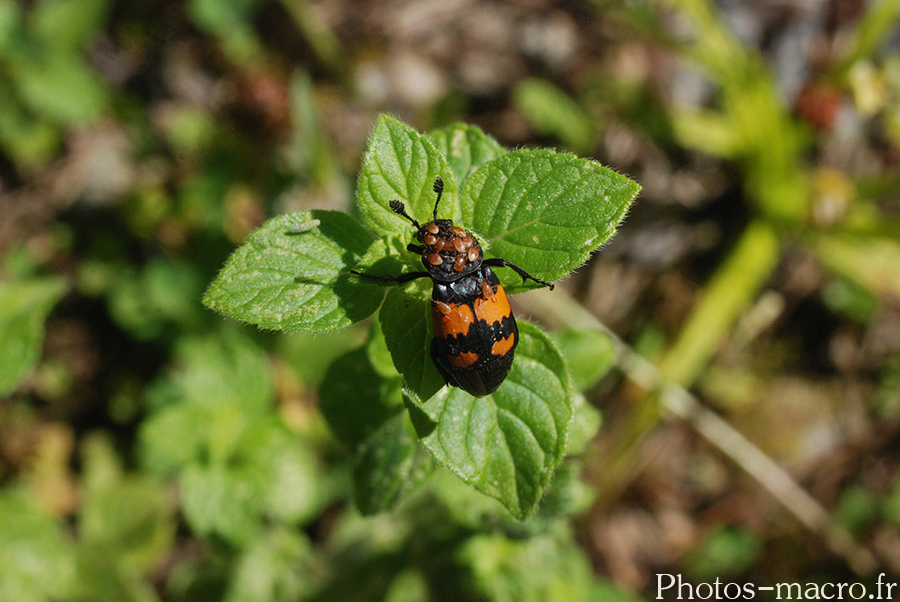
292 274
68 24
289 472
10 26
353 398
567 494
590 354
36 559
24 307
129 516
728 551
169 439
584 426
101 578
507 444
378 352
223 501
402 164
405 320
544 568
276 567
388 257
466 147
310 354
222 383
545 211
389 465
267 474
63 88
147 302
229 369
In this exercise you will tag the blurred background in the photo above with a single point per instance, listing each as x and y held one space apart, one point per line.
152 450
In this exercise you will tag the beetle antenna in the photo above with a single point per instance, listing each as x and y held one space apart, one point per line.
439 189
400 209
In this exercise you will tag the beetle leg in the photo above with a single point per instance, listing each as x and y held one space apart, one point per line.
498 262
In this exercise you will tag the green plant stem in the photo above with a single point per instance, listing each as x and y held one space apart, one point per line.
731 289
872 262
321 39
557 307
876 23
755 128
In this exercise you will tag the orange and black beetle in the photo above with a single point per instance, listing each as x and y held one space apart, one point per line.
475 333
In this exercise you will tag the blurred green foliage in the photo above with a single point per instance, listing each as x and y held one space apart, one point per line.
150 450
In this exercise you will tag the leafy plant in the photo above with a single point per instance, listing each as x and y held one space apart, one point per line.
40 54
543 210
24 306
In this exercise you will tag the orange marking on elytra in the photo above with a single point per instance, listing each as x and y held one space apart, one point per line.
503 346
463 360
455 322
493 309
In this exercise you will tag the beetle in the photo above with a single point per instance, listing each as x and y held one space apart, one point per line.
475 332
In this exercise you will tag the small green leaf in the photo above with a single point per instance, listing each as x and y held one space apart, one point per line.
10 26
102 578
222 383
40 84
220 500
24 306
38 562
287 469
389 465
30 140
507 444
292 274
365 410
402 164
68 24
388 257
466 147
545 568
405 318
545 211
589 353
353 400
277 566
567 494
378 352
585 424
130 516
217 371
169 439
727 551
